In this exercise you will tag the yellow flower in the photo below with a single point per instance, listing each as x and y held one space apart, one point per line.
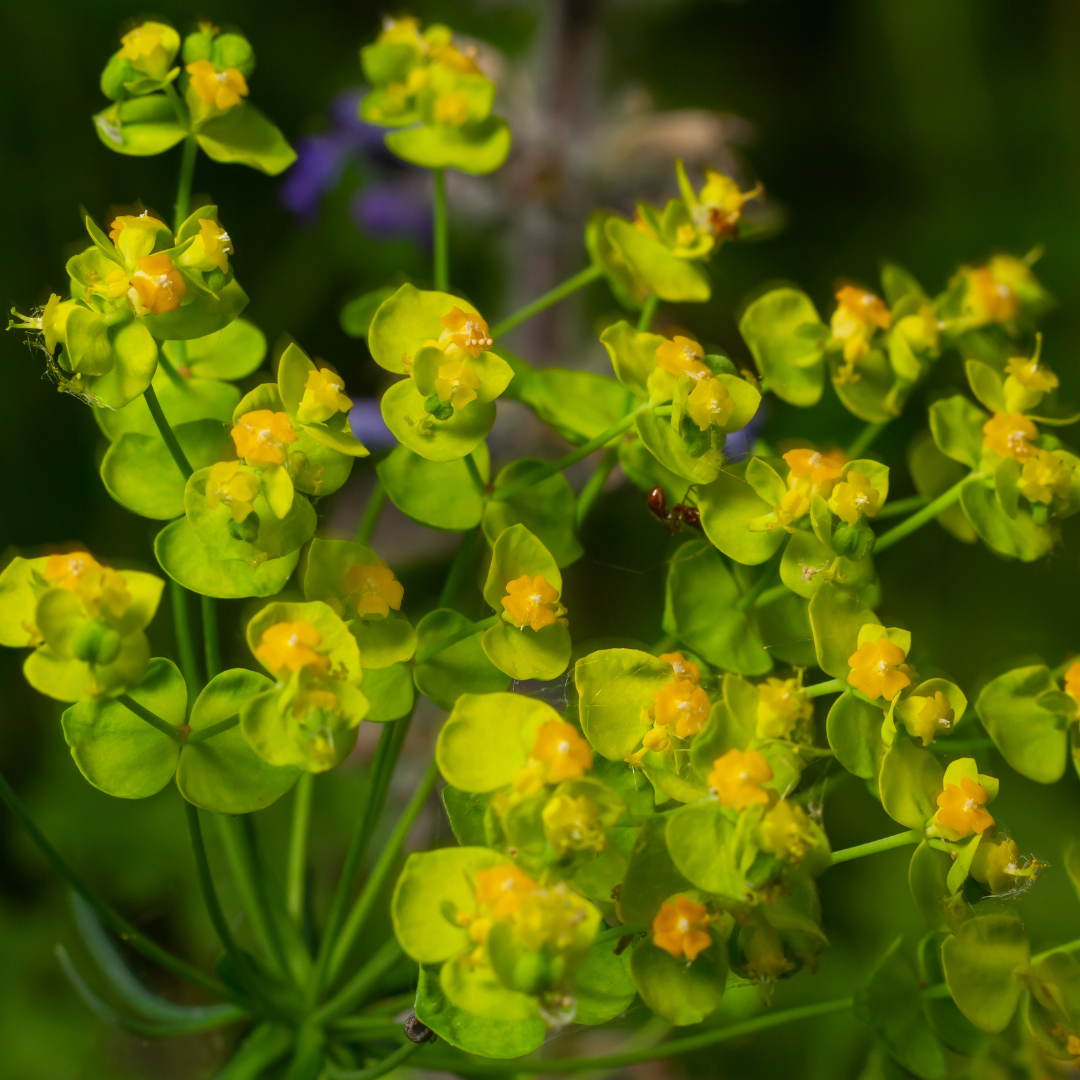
682 356
781 705
210 249
261 436
709 403
1073 1046
573 824
1000 868
156 288
100 588
928 716
990 296
722 203
217 89
403 31
561 752
323 396
737 778
681 929
858 315
135 235
452 108
853 497
373 589
233 486
1030 374
1045 475
457 383
453 58
681 705
785 831
503 889
531 601
1072 681
548 917
876 669
1010 435
960 810
823 470
150 48
684 669
467 331
290 646
115 285
49 321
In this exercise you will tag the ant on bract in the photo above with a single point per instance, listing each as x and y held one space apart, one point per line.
674 519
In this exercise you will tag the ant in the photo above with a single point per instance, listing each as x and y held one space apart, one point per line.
675 518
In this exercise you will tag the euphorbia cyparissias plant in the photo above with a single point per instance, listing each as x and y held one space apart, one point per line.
660 836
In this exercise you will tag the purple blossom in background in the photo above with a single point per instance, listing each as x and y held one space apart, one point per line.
392 205
367 424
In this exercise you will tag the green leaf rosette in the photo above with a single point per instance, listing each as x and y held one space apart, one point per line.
524 585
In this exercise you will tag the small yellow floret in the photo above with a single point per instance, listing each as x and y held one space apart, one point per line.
709 403
531 601
1010 435
100 588
781 705
737 778
290 646
1032 375
457 382
573 824
452 108
853 497
217 89
960 810
228 483
467 331
823 470
684 669
682 707
156 287
876 669
681 929
1045 475
323 397
1072 681
932 715
682 356
373 589
785 831
561 751
262 436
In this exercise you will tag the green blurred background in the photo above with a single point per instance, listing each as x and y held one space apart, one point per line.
933 132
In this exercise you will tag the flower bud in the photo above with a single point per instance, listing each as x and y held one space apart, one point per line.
233 51
118 71
95 643
853 541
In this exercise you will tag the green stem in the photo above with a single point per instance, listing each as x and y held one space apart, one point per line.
901 507
474 474
211 642
560 292
241 856
1070 946
373 1072
442 234
647 313
298 842
886 843
352 993
187 174
927 513
167 433
112 919
865 439
765 578
210 897
595 484
519 1066
214 729
386 756
583 451
770 596
474 628
185 646
459 567
151 718
165 364
373 510
615 933
833 686
381 871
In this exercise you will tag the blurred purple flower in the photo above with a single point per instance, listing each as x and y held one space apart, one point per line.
382 209
367 424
